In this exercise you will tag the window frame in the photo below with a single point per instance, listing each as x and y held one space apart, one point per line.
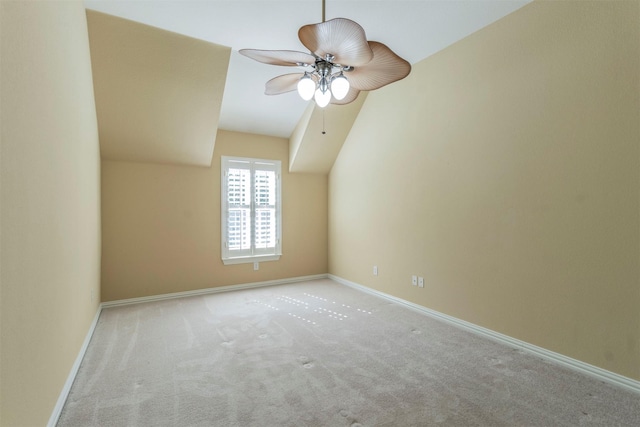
252 254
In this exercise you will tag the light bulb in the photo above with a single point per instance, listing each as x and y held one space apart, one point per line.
306 87
340 87
322 98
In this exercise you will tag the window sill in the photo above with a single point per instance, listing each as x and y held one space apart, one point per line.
250 259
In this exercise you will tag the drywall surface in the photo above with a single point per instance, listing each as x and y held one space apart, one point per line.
505 171
50 254
158 94
161 223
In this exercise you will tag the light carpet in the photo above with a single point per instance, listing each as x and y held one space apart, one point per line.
319 354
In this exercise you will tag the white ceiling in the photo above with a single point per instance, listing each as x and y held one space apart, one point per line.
414 29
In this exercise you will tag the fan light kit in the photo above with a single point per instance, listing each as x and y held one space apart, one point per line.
341 63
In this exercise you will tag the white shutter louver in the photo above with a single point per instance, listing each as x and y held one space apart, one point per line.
251 215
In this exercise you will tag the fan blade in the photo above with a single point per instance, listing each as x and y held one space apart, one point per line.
351 96
340 37
385 67
282 84
289 58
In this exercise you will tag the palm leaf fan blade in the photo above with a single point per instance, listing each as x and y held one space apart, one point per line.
283 84
385 67
287 58
340 37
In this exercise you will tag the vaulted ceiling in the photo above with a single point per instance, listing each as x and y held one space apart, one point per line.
168 75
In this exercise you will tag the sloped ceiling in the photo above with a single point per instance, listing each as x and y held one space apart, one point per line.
318 138
158 94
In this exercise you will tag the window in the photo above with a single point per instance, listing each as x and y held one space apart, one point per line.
251 217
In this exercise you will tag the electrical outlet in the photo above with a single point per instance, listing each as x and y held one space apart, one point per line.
256 266
414 280
421 282
375 270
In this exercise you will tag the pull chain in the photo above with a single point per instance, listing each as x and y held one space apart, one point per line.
323 131
323 8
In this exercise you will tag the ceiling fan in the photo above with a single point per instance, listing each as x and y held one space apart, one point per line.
340 65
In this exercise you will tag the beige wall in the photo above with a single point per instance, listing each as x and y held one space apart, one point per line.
161 224
50 212
154 88
505 170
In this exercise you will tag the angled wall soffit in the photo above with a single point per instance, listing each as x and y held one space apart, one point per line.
158 94
311 151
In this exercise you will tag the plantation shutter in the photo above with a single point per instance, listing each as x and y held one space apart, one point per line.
239 208
250 209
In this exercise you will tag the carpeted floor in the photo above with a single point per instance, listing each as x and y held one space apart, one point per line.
319 354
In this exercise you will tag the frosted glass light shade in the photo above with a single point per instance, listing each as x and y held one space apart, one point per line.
322 99
306 87
340 87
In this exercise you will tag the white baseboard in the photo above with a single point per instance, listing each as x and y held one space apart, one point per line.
212 290
577 365
585 368
57 410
